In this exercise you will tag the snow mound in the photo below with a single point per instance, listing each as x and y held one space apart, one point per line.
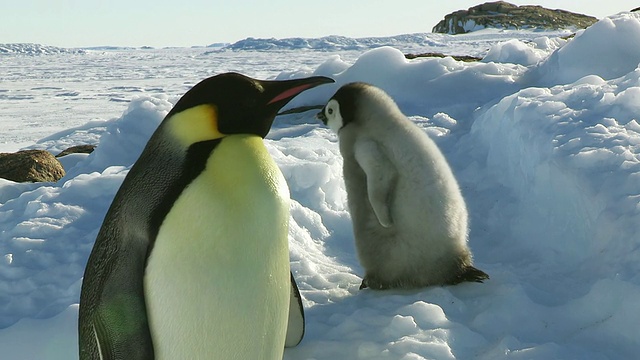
124 139
571 154
521 52
417 85
566 161
605 49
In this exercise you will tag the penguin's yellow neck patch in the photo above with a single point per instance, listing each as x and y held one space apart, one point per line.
199 123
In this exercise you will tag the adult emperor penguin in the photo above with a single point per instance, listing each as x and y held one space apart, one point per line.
192 261
409 217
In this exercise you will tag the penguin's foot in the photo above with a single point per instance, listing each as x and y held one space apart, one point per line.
372 283
363 285
471 274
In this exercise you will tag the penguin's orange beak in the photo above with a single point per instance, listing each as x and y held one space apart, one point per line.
278 93
281 92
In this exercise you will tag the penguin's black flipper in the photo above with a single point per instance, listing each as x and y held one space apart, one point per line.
121 340
295 327
113 322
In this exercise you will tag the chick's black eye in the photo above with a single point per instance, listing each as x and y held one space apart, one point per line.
330 111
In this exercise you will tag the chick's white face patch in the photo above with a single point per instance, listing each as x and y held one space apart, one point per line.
334 118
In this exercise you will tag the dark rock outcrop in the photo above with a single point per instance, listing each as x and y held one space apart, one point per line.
465 58
30 166
504 15
78 149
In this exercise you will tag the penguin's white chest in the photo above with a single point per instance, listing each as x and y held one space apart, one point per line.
217 280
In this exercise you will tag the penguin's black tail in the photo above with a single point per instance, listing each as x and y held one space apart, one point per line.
471 274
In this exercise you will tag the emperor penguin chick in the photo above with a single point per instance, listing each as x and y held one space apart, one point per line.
409 216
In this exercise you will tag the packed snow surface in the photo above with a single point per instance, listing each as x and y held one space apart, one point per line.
543 136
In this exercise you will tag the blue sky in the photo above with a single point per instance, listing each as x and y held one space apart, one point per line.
158 23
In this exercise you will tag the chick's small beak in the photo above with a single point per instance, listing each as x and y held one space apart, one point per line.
322 117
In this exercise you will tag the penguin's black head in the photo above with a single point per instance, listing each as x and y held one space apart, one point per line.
340 110
238 104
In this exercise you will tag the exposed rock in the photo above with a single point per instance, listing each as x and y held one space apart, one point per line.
504 15
78 149
636 9
465 58
30 166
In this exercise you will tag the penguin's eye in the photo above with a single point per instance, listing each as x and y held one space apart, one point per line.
249 102
333 116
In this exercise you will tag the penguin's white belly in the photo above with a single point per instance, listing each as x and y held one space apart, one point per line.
217 280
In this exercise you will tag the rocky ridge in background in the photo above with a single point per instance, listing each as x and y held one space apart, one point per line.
504 15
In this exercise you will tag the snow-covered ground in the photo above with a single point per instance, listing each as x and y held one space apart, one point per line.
543 136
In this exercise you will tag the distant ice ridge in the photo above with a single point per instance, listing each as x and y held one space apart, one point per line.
331 43
35 49
476 43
